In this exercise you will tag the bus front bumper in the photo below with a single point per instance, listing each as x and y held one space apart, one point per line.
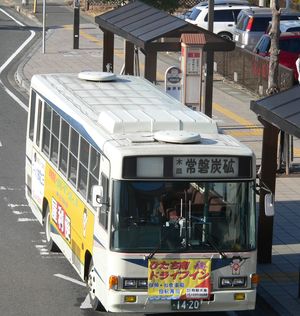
222 301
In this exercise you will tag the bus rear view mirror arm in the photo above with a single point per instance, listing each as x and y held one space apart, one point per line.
97 195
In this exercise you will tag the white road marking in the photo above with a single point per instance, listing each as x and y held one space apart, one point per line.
17 205
86 304
20 212
58 275
10 59
25 219
3 188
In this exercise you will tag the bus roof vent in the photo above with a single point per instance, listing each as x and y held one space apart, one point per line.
97 76
177 137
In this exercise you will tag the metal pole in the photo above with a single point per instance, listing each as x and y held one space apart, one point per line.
44 25
76 24
210 25
34 6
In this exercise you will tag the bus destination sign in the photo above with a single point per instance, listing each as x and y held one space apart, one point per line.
212 167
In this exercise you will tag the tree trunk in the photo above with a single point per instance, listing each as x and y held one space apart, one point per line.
274 49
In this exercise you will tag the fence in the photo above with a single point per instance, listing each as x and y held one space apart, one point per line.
250 70
117 3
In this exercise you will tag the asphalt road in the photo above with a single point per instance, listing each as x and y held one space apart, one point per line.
27 271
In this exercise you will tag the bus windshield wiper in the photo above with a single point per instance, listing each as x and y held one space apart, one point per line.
163 238
151 254
211 243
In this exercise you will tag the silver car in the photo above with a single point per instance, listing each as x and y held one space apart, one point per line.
253 23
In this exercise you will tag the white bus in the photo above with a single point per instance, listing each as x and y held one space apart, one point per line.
150 203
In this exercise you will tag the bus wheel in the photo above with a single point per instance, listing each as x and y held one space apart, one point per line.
50 244
91 283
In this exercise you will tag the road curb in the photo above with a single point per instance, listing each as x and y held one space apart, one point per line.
20 78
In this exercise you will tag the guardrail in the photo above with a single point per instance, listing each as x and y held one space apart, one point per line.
250 70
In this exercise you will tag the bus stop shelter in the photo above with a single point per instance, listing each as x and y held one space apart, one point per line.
152 31
279 112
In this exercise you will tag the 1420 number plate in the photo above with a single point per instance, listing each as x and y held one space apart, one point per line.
185 305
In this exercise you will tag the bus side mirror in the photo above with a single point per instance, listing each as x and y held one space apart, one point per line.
269 204
97 195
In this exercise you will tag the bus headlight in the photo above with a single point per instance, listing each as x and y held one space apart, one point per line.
233 282
135 283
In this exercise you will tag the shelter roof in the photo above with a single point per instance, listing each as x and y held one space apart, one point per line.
144 26
281 110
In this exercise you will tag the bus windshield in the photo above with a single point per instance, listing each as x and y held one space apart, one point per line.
173 216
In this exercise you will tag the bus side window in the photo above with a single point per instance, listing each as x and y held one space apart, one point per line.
103 216
93 171
32 115
73 157
64 145
55 128
38 127
83 166
46 129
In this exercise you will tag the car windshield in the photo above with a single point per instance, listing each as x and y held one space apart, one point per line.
242 21
182 216
194 14
263 45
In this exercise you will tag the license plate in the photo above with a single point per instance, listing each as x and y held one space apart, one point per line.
185 305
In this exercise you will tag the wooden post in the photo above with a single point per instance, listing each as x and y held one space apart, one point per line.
150 64
129 58
268 179
108 51
209 79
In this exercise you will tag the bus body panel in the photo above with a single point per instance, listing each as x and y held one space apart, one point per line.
115 121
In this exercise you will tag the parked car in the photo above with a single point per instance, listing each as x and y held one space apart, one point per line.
289 49
252 24
286 26
224 18
187 13
225 2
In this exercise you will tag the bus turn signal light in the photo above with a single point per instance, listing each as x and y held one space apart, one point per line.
255 279
113 282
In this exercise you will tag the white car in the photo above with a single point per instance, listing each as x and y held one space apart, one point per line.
224 18
286 26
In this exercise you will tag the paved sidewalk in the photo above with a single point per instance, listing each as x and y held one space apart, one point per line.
280 280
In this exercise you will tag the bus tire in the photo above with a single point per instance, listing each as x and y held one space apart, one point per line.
50 244
91 282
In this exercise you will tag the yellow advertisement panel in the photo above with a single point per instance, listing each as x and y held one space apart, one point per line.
70 216
179 279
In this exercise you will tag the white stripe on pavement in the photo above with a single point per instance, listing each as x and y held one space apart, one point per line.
58 275
10 59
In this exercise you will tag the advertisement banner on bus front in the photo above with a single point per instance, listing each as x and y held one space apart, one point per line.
179 279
